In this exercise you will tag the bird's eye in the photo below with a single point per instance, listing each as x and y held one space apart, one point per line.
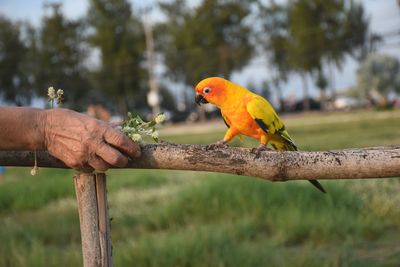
206 90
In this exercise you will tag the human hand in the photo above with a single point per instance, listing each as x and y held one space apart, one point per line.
84 143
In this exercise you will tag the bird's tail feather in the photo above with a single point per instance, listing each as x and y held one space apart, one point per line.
287 141
289 145
317 185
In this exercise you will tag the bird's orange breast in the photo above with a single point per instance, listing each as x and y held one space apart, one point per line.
238 118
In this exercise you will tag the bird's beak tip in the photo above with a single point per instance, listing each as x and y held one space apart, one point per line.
200 99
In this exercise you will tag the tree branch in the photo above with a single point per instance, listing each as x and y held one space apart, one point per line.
374 162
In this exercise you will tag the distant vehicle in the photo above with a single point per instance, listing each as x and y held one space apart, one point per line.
345 103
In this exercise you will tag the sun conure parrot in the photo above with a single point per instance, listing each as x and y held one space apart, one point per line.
246 113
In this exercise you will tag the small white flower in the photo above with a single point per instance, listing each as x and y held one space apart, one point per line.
51 92
60 92
34 170
136 137
160 118
154 135
129 129
60 96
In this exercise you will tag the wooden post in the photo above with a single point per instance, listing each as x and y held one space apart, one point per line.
94 220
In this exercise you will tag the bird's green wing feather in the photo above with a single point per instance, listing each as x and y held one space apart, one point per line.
265 116
263 113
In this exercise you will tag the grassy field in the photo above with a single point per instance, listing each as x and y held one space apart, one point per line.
173 218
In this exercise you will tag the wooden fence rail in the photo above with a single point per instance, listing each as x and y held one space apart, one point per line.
374 162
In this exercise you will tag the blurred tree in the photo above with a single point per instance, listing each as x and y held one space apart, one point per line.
167 99
274 40
211 40
276 84
321 83
14 82
57 55
356 38
304 34
378 73
119 36
264 89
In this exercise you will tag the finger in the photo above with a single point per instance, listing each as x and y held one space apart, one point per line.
78 165
110 155
99 164
121 141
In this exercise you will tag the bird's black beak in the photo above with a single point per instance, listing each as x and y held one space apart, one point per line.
200 99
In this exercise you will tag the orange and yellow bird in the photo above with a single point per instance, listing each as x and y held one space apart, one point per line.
246 113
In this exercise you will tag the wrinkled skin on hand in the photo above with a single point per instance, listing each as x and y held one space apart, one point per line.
84 143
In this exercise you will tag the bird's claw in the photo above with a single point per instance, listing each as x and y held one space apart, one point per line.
259 149
219 144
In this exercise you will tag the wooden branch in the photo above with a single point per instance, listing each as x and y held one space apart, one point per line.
374 162
94 221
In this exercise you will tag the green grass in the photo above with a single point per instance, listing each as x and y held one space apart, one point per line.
176 218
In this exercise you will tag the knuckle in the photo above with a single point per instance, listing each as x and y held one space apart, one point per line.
115 137
92 124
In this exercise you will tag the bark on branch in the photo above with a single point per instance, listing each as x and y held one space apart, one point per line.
374 162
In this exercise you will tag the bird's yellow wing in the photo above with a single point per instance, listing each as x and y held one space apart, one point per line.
263 113
265 116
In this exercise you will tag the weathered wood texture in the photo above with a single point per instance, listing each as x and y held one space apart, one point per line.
374 162
94 220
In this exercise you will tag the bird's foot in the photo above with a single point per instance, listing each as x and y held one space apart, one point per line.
163 142
219 144
259 149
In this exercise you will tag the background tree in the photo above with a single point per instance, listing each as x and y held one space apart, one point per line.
14 82
303 35
167 99
275 43
378 73
118 35
211 40
321 82
59 55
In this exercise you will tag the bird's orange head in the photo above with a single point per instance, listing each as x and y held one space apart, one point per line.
211 90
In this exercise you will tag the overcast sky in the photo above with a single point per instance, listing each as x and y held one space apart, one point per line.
384 16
